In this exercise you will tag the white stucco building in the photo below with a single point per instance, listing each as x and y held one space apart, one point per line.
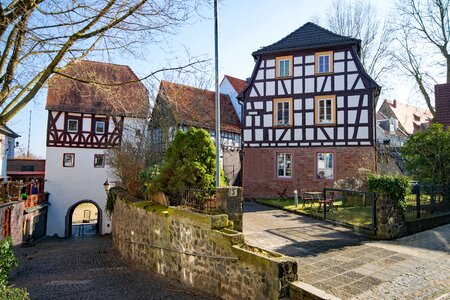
84 120
7 144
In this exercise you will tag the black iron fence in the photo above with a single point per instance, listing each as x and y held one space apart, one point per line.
427 200
199 199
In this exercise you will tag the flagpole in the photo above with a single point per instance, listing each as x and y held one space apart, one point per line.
216 60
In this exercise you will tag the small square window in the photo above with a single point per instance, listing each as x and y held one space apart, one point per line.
325 110
325 166
99 160
69 160
100 127
284 165
72 125
284 66
324 62
282 112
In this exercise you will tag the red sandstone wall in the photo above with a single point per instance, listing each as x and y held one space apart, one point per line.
442 94
260 179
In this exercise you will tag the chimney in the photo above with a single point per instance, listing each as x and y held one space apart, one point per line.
394 103
442 103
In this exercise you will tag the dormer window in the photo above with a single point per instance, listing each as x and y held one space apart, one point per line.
284 66
72 125
325 110
100 127
324 62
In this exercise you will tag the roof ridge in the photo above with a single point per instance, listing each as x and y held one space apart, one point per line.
191 87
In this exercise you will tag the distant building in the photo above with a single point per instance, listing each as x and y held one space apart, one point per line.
388 132
179 106
85 119
7 145
232 86
442 103
407 118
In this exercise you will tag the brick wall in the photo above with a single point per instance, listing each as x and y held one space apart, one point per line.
442 103
260 179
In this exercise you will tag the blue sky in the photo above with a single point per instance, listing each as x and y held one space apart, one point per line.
244 26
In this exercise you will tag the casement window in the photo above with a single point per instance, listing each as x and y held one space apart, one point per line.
284 165
100 127
325 110
325 165
69 160
72 125
99 160
324 62
284 66
282 112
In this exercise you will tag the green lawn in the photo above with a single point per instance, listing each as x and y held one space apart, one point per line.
357 216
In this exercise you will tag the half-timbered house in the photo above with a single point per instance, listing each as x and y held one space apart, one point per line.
179 106
308 114
89 108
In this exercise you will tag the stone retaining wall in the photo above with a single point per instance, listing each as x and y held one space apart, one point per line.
15 223
200 251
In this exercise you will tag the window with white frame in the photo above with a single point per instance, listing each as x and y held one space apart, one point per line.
283 112
325 109
72 125
324 62
325 167
284 165
100 127
284 66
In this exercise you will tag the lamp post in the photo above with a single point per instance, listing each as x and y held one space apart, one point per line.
106 186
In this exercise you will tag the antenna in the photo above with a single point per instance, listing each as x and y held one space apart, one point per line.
29 133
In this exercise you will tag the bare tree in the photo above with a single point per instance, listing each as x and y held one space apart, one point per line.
40 37
423 36
358 19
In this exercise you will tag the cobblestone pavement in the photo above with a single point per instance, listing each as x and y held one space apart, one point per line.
89 269
348 265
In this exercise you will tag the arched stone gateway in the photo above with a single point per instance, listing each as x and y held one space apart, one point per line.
84 218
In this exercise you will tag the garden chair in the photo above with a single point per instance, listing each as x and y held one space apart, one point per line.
283 194
328 201
306 198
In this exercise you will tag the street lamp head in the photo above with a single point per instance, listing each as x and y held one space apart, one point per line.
106 185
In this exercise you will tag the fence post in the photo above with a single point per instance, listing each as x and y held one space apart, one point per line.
324 203
418 200
433 199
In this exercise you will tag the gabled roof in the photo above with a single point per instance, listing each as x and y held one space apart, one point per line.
5 130
309 36
112 90
192 106
238 84
409 117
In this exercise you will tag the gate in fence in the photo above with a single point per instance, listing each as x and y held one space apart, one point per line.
352 208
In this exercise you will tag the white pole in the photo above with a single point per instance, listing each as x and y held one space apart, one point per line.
216 46
296 198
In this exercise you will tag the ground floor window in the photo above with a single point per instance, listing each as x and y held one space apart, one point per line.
99 160
284 164
325 165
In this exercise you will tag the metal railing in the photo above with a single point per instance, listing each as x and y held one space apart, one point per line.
199 199
427 200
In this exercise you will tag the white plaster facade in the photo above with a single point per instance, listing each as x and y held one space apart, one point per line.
7 144
69 185
228 89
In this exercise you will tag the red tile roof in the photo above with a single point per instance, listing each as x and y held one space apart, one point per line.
196 107
119 98
238 84
410 117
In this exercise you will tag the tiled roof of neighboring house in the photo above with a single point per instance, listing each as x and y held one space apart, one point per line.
238 84
308 36
410 117
112 90
196 107
5 130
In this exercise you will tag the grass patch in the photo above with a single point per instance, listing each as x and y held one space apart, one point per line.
151 207
357 215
